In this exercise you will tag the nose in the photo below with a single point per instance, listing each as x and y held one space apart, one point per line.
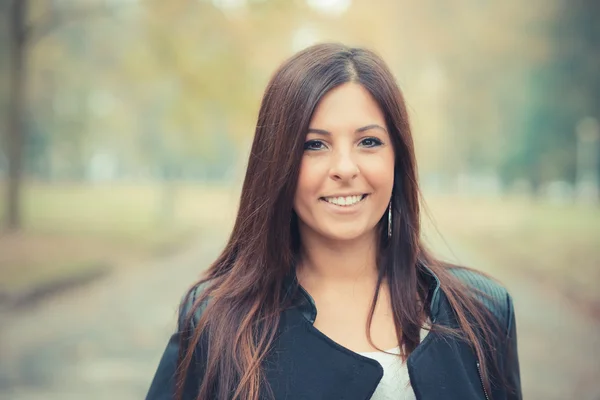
343 167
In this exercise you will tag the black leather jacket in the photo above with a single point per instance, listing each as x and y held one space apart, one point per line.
305 364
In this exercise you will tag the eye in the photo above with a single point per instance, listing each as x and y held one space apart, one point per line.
371 142
314 145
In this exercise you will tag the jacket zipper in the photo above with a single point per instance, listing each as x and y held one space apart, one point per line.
481 379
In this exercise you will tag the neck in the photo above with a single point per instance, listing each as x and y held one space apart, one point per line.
327 262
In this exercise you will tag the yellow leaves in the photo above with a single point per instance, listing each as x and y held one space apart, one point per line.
193 68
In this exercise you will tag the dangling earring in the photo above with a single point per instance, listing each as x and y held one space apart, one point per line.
390 220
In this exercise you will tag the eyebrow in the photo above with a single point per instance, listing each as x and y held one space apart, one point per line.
359 130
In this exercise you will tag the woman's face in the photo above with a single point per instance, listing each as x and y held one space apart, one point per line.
347 170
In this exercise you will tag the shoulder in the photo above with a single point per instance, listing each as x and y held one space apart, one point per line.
492 294
188 311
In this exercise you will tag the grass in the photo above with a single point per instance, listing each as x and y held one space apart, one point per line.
559 244
71 228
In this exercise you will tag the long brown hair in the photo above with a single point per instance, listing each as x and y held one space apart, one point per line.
245 283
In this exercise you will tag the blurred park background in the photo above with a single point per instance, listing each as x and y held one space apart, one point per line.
125 129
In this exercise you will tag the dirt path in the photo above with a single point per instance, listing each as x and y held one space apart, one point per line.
98 342
104 341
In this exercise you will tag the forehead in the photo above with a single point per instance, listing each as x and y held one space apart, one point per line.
348 106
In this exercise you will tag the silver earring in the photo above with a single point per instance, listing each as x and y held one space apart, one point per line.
390 220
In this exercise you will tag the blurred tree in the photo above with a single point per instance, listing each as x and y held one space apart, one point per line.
29 21
487 62
175 86
4 68
565 88
18 36
577 64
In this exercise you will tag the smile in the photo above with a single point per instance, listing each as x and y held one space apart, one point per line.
346 201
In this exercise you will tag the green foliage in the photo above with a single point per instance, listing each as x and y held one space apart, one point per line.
564 89
175 86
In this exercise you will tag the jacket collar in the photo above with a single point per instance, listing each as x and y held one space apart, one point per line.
304 302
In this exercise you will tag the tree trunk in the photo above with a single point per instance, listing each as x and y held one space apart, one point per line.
16 107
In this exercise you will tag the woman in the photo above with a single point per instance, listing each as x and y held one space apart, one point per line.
329 222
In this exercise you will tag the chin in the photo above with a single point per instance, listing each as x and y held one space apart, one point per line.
344 234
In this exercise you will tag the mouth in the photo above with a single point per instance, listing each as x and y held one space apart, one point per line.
344 201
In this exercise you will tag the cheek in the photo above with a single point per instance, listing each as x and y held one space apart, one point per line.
307 185
380 172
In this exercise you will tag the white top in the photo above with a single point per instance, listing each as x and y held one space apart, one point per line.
395 383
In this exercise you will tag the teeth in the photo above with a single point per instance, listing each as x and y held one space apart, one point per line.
343 201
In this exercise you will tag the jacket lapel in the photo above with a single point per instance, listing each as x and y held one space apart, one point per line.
305 364
440 368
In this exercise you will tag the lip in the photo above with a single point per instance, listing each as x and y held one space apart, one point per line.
345 195
345 209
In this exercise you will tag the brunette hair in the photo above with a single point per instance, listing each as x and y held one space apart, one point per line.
245 283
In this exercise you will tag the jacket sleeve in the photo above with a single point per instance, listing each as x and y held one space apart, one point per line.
163 383
511 369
